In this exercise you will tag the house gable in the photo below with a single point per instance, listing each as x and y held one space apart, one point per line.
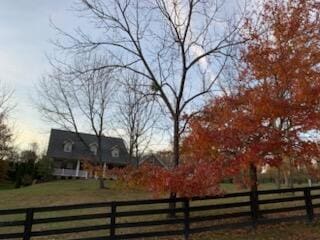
153 160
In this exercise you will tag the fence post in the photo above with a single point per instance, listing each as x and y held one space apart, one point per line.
28 224
113 220
186 209
254 208
308 202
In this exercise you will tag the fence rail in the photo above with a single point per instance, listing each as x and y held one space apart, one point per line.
124 219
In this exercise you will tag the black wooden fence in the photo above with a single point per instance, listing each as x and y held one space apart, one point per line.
132 219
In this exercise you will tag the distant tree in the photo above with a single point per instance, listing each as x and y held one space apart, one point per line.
28 156
34 146
75 98
12 160
6 136
6 102
6 146
25 168
136 115
44 168
4 168
6 106
29 167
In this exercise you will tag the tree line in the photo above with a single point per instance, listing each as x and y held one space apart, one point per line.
21 168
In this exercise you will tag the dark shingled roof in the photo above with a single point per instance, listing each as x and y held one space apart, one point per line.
80 150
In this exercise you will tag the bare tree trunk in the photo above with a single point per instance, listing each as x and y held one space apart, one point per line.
290 177
254 186
176 158
99 156
130 150
137 153
278 178
286 181
176 143
101 183
253 178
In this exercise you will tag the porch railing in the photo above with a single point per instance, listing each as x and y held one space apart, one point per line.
70 173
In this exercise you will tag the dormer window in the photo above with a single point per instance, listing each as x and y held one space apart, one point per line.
115 152
67 147
94 148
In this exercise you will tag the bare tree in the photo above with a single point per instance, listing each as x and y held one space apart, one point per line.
179 46
136 116
75 98
6 136
6 102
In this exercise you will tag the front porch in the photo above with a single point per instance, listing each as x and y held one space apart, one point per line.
73 169
69 168
74 173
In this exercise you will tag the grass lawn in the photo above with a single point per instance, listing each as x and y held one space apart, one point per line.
66 192
6 186
84 191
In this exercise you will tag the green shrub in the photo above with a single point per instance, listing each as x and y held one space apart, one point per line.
24 173
26 180
4 167
44 169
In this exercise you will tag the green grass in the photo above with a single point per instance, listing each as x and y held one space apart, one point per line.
6 185
66 192
83 191
228 187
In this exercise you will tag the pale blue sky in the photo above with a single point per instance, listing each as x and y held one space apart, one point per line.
25 39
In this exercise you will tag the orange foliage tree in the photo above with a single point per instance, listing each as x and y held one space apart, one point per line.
187 180
276 100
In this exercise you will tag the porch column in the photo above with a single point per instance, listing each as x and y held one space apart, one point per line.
78 168
104 170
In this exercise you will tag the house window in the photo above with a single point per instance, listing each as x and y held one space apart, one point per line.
67 146
115 152
94 148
